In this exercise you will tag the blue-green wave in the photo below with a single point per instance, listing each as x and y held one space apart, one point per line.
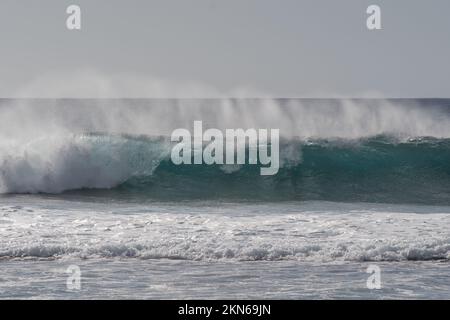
378 169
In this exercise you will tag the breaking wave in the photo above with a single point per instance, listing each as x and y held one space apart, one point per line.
340 150
376 169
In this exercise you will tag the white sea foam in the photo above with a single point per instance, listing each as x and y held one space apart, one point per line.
56 164
241 232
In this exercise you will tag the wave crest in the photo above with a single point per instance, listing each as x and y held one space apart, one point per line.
54 165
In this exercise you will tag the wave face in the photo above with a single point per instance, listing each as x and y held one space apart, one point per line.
369 170
377 169
364 151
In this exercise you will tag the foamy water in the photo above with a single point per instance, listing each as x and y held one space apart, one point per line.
314 231
235 250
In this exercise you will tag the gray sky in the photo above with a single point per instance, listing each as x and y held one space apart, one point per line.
284 48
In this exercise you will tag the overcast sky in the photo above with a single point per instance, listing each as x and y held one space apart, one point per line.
284 48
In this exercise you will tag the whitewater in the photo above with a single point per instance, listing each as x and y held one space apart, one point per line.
90 183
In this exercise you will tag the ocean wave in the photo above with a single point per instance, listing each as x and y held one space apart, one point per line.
372 251
57 164
375 169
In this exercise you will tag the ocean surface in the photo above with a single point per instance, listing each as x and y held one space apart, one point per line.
90 184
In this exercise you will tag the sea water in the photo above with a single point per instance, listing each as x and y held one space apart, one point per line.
221 250
361 184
